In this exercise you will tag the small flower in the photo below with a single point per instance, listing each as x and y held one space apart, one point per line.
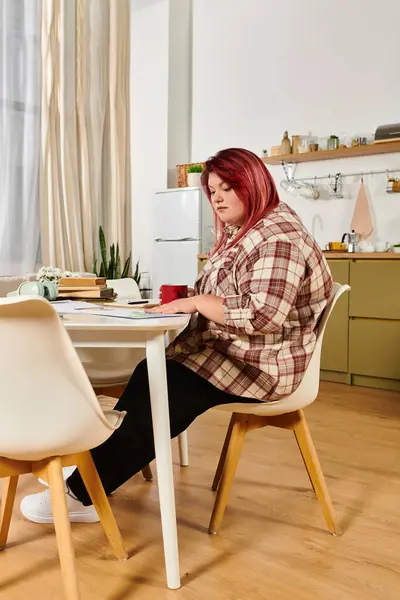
49 274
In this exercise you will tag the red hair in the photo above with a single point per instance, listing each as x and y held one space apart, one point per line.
251 181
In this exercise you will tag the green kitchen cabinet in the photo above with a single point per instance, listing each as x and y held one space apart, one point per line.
375 288
335 348
374 348
362 347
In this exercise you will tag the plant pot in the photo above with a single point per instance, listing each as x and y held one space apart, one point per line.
194 179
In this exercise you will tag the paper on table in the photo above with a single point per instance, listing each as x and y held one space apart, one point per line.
68 307
127 314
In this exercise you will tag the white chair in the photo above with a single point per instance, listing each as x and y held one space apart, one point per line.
50 418
286 413
126 288
10 284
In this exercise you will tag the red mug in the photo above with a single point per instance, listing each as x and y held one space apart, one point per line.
170 292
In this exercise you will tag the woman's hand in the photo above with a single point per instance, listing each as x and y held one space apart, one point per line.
186 306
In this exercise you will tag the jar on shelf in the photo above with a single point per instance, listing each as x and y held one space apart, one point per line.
333 142
296 141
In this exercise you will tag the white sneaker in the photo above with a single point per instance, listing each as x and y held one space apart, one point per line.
67 471
37 508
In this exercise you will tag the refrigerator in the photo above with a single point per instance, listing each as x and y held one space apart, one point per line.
182 226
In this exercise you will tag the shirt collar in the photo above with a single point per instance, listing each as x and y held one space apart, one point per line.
231 231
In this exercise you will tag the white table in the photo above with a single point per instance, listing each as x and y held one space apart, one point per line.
91 331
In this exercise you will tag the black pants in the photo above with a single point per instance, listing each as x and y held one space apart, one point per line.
131 447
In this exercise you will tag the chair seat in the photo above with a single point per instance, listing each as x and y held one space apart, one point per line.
56 447
277 407
102 375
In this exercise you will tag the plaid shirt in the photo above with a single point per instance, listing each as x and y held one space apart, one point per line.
275 283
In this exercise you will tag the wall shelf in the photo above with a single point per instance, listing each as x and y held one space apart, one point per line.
368 150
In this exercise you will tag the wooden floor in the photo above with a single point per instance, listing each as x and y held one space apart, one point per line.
273 542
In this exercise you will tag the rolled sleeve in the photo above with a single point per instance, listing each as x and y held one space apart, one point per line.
268 280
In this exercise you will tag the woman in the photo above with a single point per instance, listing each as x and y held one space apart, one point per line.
256 306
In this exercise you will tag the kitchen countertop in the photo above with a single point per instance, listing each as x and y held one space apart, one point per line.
362 255
347 255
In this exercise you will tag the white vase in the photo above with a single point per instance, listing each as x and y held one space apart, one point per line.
194 179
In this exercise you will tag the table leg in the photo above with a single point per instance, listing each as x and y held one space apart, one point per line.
155 352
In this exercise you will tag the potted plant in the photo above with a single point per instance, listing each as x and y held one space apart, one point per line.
396 248
194 175
111 267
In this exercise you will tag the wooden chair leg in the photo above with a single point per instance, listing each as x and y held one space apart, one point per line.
98 496
7 503
222 458
63 529
147 473
310 458
183 449
239 429
305 464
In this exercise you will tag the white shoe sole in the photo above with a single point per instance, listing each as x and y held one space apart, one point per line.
74 517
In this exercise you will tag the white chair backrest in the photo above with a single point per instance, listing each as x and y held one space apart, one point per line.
47 404
309 386
10 284
125 288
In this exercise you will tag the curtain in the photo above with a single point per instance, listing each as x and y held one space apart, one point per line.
19 135
85 155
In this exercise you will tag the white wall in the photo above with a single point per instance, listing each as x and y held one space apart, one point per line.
149 117
160 107
179 86
262 66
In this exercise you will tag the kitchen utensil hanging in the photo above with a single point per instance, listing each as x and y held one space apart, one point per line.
335 188
362 222
392 184
297 187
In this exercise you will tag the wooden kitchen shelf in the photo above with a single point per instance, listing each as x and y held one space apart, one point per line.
368 150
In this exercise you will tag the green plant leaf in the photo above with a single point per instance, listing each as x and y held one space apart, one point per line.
94 266
125 272
195 169
103 246
111 265
112 268
137 276
117 274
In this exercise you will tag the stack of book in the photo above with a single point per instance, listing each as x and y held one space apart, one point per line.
85 288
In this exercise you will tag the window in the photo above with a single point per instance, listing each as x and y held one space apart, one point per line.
19 135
